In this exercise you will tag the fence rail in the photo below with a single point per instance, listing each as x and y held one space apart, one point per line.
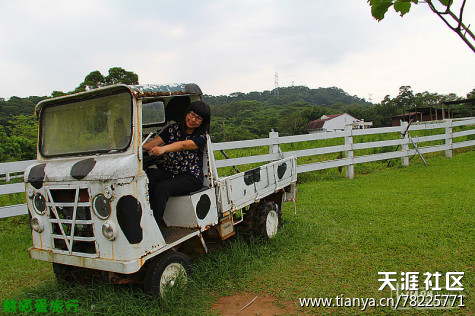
11 170
349 148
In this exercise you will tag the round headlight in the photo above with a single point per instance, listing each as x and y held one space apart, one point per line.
101 206
36 225
39 203
109 231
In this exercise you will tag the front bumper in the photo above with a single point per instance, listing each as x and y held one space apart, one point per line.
126 267
118 266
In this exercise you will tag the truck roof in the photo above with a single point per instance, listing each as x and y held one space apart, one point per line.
153 90
138 91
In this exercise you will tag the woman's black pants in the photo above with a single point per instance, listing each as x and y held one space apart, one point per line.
163 184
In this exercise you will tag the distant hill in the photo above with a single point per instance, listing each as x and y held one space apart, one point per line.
317 97
323 97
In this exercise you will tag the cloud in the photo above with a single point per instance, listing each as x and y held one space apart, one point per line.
228 46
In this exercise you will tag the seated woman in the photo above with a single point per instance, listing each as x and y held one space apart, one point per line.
183 147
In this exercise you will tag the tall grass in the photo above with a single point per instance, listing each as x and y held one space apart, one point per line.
418 219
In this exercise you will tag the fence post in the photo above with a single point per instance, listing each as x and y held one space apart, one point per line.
350 169
273 148
7 177
448 138
405 143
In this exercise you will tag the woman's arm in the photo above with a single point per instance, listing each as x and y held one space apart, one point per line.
176 146
157 141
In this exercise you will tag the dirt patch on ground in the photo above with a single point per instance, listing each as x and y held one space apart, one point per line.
253 304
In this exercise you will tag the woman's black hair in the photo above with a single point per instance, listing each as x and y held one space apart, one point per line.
175 108
203 110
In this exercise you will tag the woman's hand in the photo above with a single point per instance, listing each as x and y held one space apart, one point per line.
157 151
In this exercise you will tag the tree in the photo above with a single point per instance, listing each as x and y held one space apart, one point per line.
471 94
95 80
120 75
56 94
19 138
293 124
442 8
405 99
116 75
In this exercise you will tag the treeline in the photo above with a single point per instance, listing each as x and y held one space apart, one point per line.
282 96
18 128
18 138
236 116
253 115
17 106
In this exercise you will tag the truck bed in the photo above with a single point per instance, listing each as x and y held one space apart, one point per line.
242 189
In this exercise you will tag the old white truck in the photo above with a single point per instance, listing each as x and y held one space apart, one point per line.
87 194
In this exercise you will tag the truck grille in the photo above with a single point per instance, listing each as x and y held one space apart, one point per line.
72 230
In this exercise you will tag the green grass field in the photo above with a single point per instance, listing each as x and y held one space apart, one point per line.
415 219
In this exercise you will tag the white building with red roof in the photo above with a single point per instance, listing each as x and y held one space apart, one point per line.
336 122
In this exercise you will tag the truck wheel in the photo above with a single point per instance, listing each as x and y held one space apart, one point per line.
269 219
246 227
164 270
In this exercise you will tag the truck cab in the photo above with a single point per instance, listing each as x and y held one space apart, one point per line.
88 197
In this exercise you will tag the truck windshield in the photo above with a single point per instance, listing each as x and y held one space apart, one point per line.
99 124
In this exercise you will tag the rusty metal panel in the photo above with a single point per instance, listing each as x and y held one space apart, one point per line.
154 90
106 167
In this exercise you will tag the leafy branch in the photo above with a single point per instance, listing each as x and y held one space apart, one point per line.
451 19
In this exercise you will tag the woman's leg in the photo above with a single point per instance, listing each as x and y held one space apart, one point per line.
174 186
155 176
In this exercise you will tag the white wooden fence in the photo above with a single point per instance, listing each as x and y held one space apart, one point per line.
11 170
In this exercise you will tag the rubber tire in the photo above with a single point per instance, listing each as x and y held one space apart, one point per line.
246 227
153 282
269 220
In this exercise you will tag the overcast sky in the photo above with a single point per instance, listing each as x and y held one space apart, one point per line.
230 46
